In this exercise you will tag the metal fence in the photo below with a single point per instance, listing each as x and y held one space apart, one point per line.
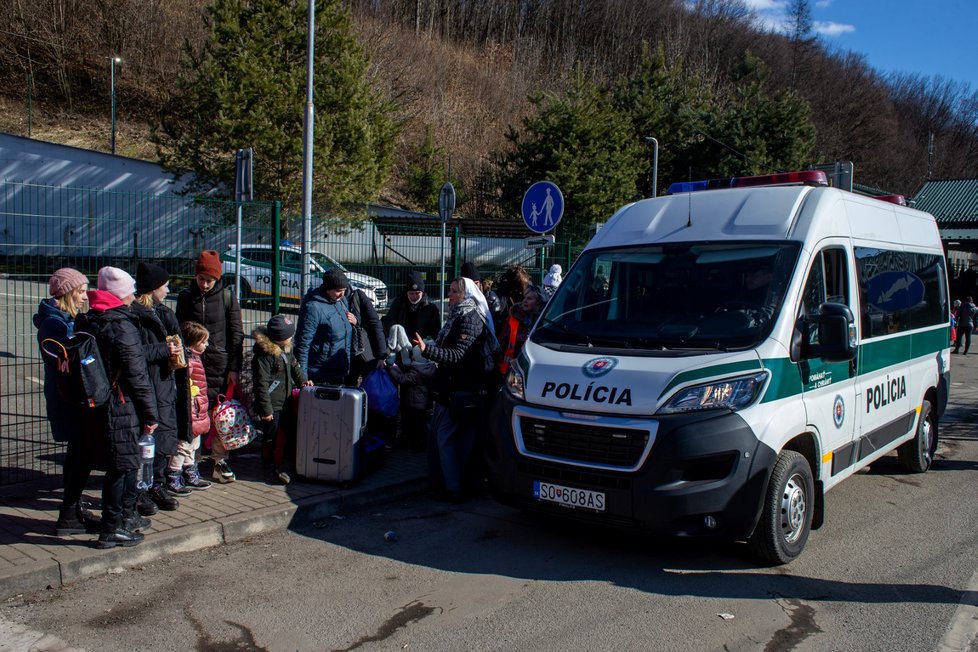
43 228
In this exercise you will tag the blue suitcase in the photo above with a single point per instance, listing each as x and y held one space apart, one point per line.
330 433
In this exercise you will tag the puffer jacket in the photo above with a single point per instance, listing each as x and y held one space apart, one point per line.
461 365
53 323
154 325
323 337
133 402
200 421
274 372
421 318
219 312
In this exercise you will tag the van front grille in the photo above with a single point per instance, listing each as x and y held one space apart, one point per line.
610 446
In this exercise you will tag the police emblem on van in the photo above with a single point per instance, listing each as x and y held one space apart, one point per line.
598 367
839 411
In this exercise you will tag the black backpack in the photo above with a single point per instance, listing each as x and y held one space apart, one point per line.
79 373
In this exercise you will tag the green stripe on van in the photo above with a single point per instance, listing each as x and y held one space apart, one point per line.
786 376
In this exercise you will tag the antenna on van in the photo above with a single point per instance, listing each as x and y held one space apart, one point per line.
689 200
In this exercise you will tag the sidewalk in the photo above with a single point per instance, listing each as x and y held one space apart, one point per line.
32 557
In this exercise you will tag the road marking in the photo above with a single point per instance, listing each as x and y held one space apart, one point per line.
35 380
963 628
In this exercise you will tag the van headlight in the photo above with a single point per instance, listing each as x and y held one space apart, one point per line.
728 394
515 381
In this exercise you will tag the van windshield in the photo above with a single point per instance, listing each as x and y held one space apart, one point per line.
670 297
325 261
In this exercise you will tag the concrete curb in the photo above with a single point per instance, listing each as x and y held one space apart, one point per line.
76 565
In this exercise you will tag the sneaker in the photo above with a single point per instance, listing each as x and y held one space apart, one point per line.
145 506
192 479
222 472
174 483
159 495
284 477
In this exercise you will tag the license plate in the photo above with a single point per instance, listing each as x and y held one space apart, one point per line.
568 496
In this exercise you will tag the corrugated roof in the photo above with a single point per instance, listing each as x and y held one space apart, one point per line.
949 200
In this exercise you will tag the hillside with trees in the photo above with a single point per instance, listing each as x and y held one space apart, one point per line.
497 93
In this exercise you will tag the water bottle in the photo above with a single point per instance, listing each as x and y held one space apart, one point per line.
147 451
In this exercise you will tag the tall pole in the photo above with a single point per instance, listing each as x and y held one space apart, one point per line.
113 61
307 147
655 164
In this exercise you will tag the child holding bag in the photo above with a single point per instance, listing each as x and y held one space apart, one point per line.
275 371
196 422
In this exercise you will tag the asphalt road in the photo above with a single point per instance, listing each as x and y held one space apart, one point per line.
894 568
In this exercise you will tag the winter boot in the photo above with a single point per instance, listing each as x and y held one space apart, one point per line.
192 479
132 521
71 520
118 536
159 495
175 484
145 506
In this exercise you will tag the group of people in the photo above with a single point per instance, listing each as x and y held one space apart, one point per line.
166 368
169 369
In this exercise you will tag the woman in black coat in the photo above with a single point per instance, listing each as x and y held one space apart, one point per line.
458 387
156 323
131 409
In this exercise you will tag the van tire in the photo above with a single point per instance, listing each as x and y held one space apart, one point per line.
917 455
786 520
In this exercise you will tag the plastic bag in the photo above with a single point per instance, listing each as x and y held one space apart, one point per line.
381 392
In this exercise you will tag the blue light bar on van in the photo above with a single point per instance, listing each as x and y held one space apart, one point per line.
805 177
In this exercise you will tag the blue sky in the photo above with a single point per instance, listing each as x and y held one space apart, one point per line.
939 37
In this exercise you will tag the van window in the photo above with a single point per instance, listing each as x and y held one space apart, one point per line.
900 290
261 256
669 297
828 280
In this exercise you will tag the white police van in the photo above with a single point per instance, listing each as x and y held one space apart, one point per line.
256 273
715 361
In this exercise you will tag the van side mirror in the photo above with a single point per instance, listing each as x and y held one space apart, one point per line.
836 333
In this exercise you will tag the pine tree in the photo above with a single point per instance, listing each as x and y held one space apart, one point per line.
580 142
247 89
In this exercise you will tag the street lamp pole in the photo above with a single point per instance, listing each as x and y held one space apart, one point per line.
113 61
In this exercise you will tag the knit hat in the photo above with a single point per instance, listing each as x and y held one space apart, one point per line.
280 328
415 282
469 270
64 281
209 263
116 281
150 277
334 279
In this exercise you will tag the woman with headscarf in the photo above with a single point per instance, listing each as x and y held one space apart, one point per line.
458 386
55 319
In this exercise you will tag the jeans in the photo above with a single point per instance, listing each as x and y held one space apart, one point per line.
77 468
450 447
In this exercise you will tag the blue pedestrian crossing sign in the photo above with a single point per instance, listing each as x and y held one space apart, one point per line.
543 206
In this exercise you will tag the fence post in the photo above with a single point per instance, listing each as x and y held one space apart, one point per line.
276 248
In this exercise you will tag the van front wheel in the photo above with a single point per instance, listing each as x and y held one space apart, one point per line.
917 454
786 519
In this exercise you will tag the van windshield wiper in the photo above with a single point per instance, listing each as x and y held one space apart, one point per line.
667 344
567 329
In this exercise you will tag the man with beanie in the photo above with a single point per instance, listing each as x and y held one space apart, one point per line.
55 320
275 371
131 409
413 311
208 302
323 341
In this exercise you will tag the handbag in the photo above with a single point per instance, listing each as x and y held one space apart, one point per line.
381 392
